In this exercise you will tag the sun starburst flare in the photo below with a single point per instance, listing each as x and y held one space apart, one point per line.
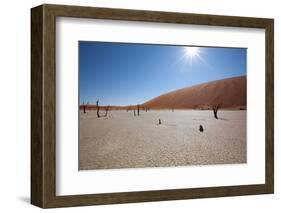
191 55
192 52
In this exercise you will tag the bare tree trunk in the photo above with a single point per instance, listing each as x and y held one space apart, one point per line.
84 107
106 111
145 108
215 110
98 108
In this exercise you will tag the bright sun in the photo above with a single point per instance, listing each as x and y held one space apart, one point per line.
191 52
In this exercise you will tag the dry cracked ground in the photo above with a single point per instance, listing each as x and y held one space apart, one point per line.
122 140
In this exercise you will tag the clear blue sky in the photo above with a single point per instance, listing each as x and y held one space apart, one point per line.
124 74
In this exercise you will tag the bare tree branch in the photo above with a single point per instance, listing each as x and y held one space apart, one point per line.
215 108
98 109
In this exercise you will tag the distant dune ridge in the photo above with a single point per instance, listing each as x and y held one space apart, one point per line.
229 93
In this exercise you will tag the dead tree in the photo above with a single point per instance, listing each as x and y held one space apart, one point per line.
84 107
98 109
106 111
144 108
138 106
215 108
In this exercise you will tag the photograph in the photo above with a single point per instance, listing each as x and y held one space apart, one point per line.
161 105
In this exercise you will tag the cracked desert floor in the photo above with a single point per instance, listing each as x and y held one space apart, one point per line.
122 140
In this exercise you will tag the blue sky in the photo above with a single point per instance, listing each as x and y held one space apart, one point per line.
124 74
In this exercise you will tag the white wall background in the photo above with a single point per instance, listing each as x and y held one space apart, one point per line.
15 105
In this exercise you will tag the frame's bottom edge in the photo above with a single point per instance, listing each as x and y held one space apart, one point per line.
155 196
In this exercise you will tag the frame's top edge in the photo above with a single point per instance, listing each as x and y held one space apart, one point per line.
56 7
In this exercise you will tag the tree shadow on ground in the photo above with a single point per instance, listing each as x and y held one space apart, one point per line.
223 119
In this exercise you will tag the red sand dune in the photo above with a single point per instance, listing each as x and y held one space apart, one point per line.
230 93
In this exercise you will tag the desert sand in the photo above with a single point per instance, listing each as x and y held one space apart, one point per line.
122 140
230 93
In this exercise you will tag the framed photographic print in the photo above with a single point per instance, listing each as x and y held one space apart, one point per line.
136 106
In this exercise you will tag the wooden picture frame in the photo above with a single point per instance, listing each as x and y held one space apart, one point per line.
43 105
